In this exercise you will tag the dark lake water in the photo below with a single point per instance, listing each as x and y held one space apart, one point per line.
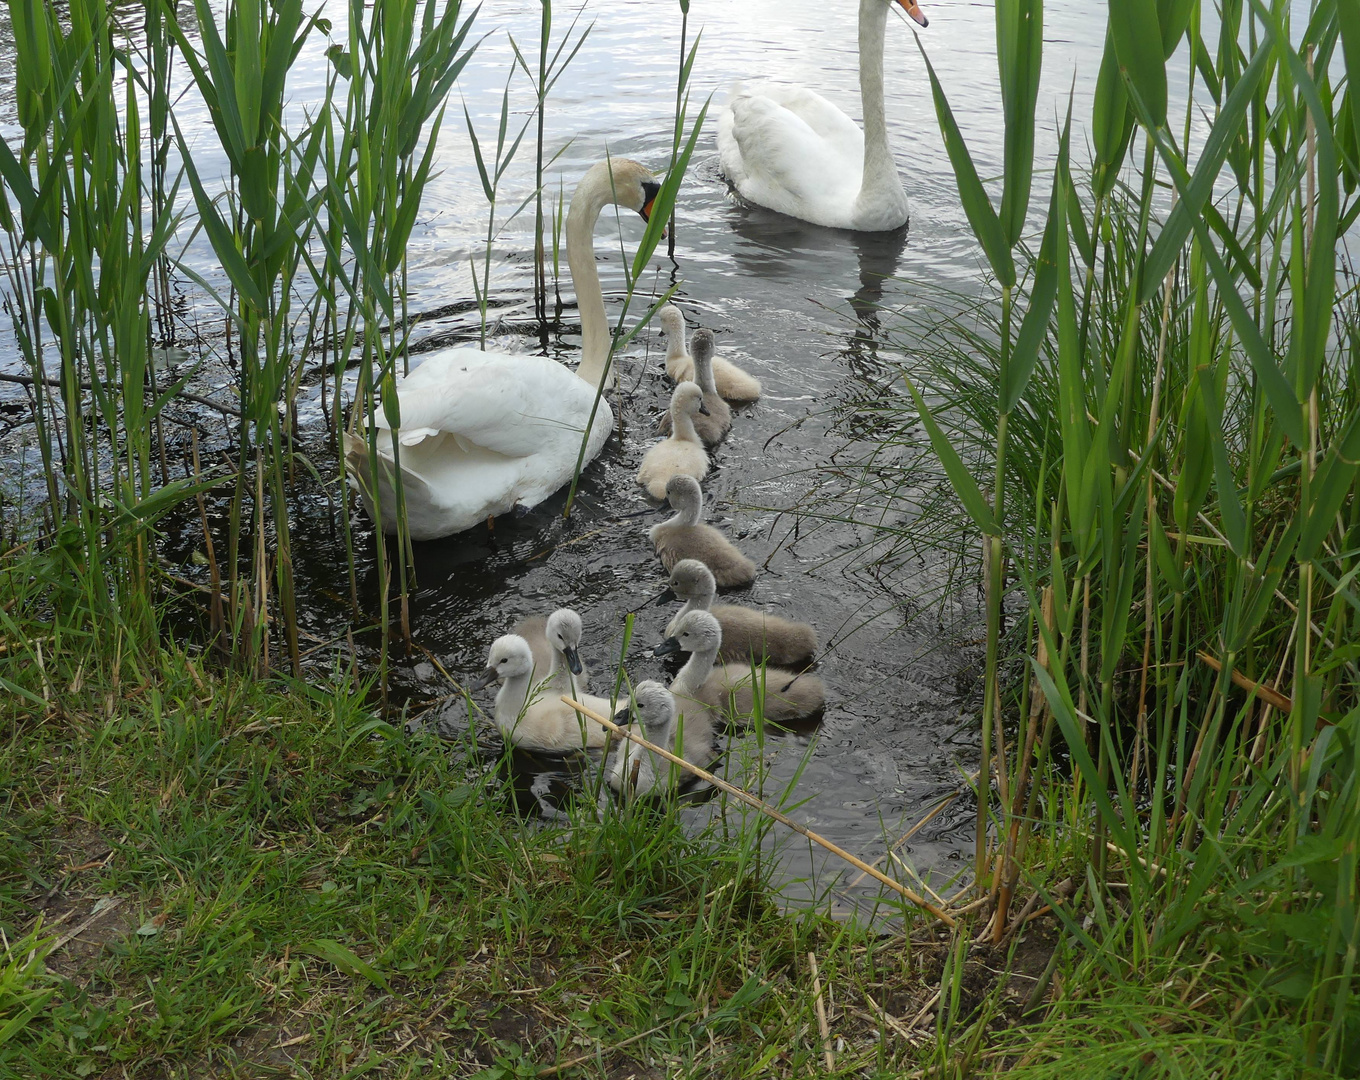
797 305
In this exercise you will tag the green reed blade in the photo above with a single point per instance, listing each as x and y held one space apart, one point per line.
1233 518
1043 293
1222 136
959 477
1174 18
1060 701
210 81
1320 289
1020 47
1288 412
1137 38
670 190
1348 20
1332 484
976 204
1242 260
220 234
1112 120
487 189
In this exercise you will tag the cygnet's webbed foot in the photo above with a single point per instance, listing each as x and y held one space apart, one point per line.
520 511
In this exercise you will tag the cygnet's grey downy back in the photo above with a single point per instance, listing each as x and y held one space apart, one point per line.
717 422
685 536
746 633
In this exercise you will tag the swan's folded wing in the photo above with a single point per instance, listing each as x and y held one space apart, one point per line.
843 135
509 405
786 158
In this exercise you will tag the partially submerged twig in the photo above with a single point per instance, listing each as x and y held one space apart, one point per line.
766 809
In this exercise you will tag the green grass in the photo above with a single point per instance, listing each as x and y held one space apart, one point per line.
292 887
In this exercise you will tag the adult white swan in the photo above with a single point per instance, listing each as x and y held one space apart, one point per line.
483 433
789 149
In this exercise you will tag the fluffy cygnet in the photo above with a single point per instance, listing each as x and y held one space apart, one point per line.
532 715
717 422
555 641
635 770
732 382
746 633
730 688
685 536
682 453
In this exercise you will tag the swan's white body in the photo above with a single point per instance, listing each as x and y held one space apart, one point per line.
482 433
789 149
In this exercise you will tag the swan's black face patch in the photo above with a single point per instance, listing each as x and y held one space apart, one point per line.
650 190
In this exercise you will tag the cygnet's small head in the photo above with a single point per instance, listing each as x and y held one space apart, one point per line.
683 493
913 10
697 632
701 345
563 632
672 322
688 399
691 580
510 658
653 708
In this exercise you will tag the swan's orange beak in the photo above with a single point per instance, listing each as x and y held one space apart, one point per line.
912 8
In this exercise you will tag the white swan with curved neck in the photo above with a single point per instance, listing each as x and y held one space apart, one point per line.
789 149
483 433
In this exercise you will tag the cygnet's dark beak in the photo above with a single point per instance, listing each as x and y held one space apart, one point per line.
623 717
573 660
703 409
485 679
667 597
667 647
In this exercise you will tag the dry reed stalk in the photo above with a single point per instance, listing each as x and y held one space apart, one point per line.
819 1004
766 809
1268 694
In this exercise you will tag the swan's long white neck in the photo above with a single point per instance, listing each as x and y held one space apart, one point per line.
593 193
879 180
695 673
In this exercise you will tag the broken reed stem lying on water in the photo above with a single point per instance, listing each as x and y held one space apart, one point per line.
766 809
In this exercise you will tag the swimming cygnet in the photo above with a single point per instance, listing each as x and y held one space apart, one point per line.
655 712
728 687
682 452
555 641
746 633
733 383
685 536
530 713
713 425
